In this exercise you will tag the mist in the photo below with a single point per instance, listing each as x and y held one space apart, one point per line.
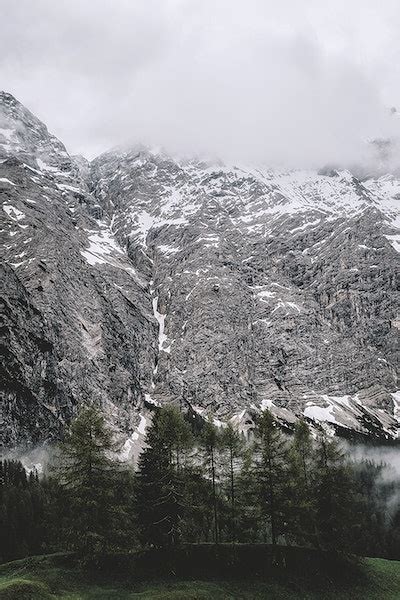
388 455
296 84
386 489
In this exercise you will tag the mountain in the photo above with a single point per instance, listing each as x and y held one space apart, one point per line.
142 278
70 334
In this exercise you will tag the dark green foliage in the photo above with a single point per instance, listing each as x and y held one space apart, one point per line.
198 485
232 446
248 512
272 478
198 523
335 496
95 490
378 492
302 509
22 512
160 494
220 572
211 442
20 589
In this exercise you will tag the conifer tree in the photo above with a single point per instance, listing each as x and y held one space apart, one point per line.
210 439
248 501
301 473
160 497
88 477
335 496
198 522
22 512
272 459
232 444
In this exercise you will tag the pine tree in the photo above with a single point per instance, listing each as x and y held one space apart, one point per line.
334 491
248 501
160 495
23 529
301 473
198 522
210 439
88 477
272 460
232 444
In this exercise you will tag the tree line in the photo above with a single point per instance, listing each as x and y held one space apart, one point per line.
197 484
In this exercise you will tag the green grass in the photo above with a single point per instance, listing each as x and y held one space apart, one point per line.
54 577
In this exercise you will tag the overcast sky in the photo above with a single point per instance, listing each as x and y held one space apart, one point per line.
300 81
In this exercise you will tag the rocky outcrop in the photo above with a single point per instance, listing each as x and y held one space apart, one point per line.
97 323
276 289
227 289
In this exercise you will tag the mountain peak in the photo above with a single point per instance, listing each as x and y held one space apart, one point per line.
24 136
6 97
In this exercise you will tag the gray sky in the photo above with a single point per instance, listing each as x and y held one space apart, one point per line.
305 82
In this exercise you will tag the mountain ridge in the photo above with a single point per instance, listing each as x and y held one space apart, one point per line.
227 289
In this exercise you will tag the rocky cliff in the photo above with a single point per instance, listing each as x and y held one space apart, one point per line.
144 278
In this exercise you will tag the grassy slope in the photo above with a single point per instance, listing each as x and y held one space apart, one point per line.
43 578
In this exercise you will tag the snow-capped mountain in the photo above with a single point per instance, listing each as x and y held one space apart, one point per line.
144 278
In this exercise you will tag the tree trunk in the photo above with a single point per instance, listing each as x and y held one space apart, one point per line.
214 498
232 498
272 503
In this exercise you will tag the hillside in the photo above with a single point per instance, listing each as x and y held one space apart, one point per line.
50 577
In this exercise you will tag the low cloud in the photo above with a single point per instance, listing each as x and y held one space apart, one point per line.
294 83
387 485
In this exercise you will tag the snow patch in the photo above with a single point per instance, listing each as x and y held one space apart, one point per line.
396 404
150 400
13 213
134 444
5 180
266 404
162 338
320 413
165 249
265 294
45 167
67 188
286 304
394 240
101 245
142 425
7 133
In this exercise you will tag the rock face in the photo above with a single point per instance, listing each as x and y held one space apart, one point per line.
142 278
78 327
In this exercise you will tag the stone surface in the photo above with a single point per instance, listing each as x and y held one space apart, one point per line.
143 278
79 324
